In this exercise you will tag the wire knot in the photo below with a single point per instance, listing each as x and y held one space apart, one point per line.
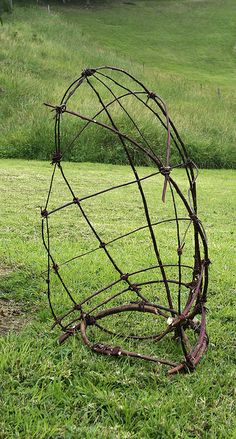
152 95
44 213
192 284
56 158
55 267
77 307
60 108
88 72
124 276
180 249
193 217
188 162
165 170
206 262
90 320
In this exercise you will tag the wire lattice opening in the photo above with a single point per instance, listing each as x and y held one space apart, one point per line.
176 264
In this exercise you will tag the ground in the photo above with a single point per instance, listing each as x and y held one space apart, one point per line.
51 391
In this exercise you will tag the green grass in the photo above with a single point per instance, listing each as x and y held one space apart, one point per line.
184 50
51 391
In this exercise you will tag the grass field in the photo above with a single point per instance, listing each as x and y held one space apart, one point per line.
50 391
184 50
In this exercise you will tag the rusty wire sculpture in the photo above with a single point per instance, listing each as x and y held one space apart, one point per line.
178 308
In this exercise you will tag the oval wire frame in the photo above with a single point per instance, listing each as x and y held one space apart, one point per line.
179 319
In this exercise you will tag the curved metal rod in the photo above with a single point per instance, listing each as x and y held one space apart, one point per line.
181 318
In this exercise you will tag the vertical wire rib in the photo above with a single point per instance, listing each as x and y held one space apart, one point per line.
47 247
179 251
54 264
178 248
146 210
50 186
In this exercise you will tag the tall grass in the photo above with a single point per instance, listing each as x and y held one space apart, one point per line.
184 50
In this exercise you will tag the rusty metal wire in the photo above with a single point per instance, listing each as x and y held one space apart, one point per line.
179 319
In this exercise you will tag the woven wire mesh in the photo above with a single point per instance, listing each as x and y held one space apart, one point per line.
178 266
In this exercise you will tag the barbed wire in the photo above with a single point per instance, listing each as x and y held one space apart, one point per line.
178 318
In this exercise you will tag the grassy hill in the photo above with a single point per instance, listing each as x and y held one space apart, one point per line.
184 50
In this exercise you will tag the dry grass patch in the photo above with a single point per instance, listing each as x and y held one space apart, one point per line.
12 316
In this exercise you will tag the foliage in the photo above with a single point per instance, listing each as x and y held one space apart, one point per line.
184 50
5 6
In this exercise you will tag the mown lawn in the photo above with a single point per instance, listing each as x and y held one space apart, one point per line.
51 391
184 50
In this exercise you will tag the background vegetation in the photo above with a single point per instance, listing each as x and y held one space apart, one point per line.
184 50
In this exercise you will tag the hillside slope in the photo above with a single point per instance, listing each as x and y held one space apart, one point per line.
184 50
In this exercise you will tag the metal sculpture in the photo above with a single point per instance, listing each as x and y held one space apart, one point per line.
185 294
